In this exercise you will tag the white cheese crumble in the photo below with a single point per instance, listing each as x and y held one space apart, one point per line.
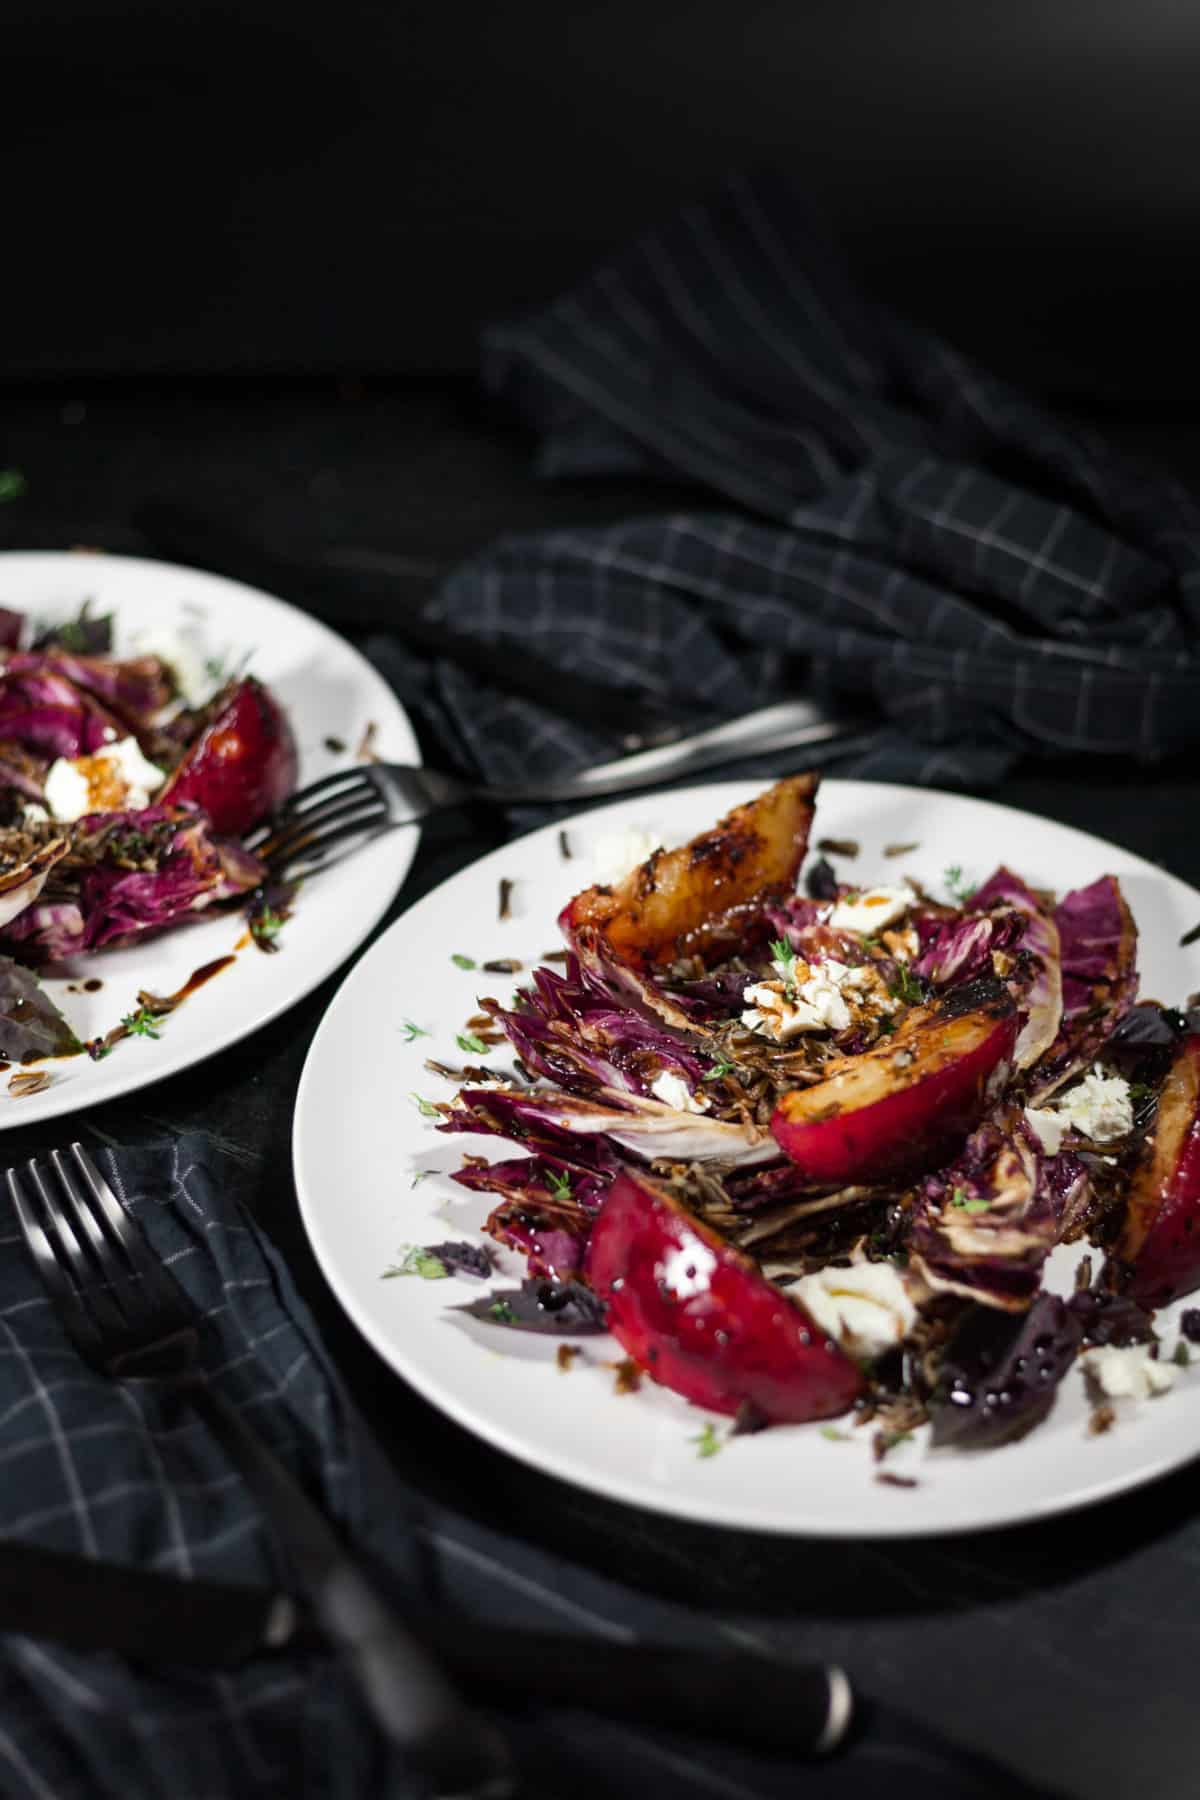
866 1308
673 1090
813 1000
1047 1126
184 653
871 910
1130 1373
616 854
1100 1107
117 777
35 814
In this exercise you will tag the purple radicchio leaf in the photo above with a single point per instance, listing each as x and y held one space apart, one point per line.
1036 979
1098 946
23 772
568 1126
553 1308
571 1030
127 873
547 1209
134 689
984 1227
45 712
1000 1374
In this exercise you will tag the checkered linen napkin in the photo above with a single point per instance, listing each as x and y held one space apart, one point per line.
876 518
128 1474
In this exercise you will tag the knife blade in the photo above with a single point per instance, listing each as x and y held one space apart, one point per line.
803 1709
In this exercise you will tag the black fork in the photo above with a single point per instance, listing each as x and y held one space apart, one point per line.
361 802
129 1317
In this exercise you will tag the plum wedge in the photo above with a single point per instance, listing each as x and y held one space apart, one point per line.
701 1319
909 1101
1161 1234
243 764
699 899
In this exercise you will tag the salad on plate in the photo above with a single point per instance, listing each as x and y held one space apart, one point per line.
126 785
806 1153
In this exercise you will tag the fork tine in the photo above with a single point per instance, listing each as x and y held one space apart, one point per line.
106 1211
137 1296
330 812
343 783
64 1269
361 777
303 839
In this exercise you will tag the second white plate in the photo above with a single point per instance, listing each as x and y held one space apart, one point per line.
331 695
363 1153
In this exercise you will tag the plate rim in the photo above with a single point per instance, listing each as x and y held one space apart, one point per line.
614 1486
316 969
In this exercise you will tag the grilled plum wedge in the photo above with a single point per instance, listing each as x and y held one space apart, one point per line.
701 898
1161 1233
909 1101
701 1319
243 764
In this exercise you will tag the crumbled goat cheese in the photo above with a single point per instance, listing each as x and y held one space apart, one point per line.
116 778
807 999
673 1090
1100 1107
866 1308
1130 1372
1047 1126
871 910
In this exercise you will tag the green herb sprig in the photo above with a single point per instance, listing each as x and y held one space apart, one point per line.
142 1023
708 1441
783 959
418 1262
956 886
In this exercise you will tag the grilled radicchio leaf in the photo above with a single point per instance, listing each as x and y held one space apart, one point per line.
1000 1374
985 1226
30 1023
1098 941
554 1308
125 873
1037 977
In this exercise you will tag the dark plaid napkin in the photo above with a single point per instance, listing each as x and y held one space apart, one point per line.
128 1474
876 517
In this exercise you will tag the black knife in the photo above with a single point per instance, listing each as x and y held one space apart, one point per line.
801 1709
369 599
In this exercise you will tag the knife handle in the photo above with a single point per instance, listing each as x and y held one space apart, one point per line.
737 1696
411 1700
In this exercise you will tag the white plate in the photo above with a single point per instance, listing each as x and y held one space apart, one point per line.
358 1139
328 691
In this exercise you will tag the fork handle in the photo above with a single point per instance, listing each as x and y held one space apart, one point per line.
457 1753
788 725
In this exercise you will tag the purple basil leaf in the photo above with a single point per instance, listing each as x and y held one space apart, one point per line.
30 1023
554 1308
1000 1373
461 1258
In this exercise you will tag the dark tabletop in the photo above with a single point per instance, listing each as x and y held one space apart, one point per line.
1065 1649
